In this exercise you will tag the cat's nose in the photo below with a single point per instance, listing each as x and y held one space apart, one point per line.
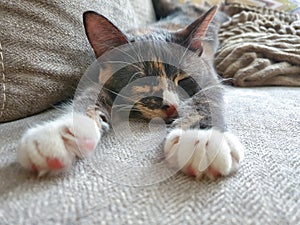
170 110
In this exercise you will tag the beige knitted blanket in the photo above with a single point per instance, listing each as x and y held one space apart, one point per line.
259 47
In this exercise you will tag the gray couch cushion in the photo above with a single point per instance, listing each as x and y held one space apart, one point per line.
44 49
264 191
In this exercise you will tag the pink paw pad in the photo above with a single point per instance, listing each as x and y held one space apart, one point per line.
34 168
88 145
54 163
190 171
213 172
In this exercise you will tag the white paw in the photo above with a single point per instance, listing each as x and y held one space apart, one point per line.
198 152
52 147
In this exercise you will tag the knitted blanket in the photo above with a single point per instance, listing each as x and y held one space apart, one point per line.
259 46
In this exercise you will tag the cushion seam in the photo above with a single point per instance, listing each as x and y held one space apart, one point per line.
2 73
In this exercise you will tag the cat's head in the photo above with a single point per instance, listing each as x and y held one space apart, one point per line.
161 92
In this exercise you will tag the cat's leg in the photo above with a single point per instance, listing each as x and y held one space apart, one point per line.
197 152
198 142
52 147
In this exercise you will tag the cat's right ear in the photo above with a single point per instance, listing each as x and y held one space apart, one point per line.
193 35
102 34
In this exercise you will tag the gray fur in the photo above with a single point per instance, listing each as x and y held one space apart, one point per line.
202 110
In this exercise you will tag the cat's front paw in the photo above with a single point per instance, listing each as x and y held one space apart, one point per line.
198 152
52 147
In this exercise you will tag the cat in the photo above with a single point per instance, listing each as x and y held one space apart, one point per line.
197 141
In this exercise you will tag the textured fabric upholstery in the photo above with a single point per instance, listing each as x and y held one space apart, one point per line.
44 50
264 191
259 47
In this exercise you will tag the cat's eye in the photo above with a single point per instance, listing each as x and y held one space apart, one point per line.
189 85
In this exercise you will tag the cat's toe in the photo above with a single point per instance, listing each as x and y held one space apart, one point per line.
184 150
237 151
80 135
228 157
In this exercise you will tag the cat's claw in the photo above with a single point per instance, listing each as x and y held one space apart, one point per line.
52 147
199 152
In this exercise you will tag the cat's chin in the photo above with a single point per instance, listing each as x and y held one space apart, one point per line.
169 120
166 119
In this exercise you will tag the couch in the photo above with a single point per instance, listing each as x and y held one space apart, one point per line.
265 190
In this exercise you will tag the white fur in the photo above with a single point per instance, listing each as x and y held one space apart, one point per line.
170 98
203 151
61 139
78 135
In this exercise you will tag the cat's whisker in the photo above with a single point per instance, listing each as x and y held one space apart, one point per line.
118 94
183 55
138 54
139 72
90 80
126 63
60 108
130 109
82 88
119 49
210 87
123 107
228 79
136 98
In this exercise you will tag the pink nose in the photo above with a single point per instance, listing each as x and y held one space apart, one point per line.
170 110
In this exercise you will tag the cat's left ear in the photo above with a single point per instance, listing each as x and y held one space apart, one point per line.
103 35
191 37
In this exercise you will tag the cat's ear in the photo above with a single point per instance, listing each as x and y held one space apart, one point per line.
102 34
192 36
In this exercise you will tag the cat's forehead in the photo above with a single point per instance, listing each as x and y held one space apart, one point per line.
149 34
156 67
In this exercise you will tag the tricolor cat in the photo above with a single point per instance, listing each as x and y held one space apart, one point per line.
197 141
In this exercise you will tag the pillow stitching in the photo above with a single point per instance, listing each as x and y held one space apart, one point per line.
3 81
